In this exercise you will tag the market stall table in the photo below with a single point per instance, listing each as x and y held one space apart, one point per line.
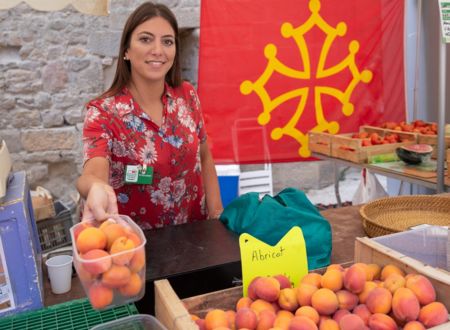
204 256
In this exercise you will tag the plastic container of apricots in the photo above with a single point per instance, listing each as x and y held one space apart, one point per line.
109 258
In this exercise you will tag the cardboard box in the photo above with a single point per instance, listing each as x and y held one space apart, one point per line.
175 313
21 283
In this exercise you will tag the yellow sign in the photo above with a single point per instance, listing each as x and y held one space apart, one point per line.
287 257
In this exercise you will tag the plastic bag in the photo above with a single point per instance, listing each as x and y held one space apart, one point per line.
270 218
369 188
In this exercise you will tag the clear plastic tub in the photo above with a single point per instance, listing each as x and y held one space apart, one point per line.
428 244
132 322
109 258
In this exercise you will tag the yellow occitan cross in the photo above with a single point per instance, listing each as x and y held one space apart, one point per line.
274 65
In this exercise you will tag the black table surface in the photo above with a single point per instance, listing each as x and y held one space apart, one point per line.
177 250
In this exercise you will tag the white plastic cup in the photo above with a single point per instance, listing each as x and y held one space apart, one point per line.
60 273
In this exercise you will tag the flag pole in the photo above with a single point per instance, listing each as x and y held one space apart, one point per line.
441 114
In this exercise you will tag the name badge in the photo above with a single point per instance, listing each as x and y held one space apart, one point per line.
138 174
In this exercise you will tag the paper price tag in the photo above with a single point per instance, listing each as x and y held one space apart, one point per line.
444 8
287 257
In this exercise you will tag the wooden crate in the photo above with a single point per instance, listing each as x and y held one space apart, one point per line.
320 142
432 141
174 313
369 251
345 147
448 162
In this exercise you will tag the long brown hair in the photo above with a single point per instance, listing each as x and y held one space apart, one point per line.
141 14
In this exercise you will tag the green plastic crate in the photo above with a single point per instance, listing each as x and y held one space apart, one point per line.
75 314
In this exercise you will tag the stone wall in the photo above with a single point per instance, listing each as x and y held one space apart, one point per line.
52 63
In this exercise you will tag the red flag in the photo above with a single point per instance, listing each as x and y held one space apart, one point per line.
270 71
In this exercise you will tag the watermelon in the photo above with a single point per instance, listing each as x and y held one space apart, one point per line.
415 154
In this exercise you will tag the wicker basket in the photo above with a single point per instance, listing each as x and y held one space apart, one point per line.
395 214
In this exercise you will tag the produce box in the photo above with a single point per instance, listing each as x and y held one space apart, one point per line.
320 142
175 313
370 251
423 136
357 148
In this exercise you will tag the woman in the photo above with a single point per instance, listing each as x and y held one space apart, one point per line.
145 147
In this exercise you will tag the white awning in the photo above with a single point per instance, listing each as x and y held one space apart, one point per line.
92 7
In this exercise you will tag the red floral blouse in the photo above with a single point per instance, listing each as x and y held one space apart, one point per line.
116 128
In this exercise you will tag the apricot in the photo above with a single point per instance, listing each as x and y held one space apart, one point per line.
363 312
284 281
366 270
379 300
394 281
351 322
309 312
243 302
374 271
329 324
266 320
251 292
340 313
137 262
133 287
100 296
134 237
288 299
422 288
231 316
335 266
405 304
414 325
201 324
389 269
118 247
304 293
283 319
259 305
93 266
355 278
89 239
433 314
83 274
324 301
246 318
79 228
112 232
347 300
368 287
302 323
216 318
313 279
267 288
332 279
380 321
116 276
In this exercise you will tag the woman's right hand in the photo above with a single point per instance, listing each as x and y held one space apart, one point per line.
100 203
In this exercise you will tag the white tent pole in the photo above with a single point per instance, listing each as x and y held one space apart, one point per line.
416 68
441 114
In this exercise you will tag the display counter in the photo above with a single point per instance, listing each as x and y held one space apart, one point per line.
204 256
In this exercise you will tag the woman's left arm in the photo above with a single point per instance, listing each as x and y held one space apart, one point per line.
210 182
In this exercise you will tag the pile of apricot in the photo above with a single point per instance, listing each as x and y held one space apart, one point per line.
360 297
110 261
